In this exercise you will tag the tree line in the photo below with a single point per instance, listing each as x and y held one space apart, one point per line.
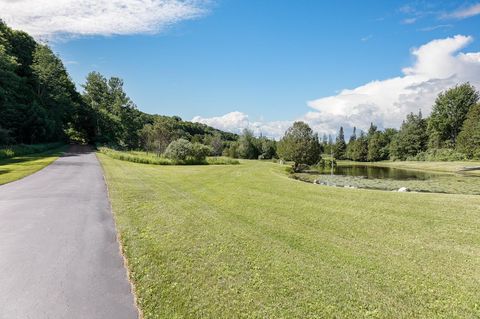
39 103
451 132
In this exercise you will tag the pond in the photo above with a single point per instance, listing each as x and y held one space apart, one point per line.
375 172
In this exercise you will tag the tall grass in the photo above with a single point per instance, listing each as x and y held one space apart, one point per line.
25 149
145 158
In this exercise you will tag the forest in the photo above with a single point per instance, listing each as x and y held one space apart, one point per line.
451 132
39 103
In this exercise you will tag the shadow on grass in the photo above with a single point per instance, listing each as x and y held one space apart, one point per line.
5 171
32 157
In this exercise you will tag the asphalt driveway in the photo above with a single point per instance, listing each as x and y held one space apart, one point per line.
59 257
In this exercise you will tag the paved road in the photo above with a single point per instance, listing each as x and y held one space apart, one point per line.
59 257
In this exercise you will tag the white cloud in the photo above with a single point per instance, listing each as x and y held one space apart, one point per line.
53 18
236 122
435 27
464 13
437 66
409 20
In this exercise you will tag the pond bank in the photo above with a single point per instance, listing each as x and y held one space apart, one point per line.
442 179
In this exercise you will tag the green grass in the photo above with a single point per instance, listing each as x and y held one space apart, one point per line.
246 241
25 149
14 168
150 158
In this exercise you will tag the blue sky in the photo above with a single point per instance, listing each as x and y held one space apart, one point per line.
269 60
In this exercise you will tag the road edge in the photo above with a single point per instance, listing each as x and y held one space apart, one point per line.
120 245
41 169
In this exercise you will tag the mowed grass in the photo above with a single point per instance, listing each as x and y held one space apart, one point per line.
246 241
12 169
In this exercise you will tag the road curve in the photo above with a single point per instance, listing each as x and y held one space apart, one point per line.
59 257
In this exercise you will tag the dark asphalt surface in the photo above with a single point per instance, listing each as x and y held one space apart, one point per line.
59 257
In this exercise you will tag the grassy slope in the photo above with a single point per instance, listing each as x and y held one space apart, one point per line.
246 241
18 167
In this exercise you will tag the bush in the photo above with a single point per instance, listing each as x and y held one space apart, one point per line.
200 152
179 150
183 150
24 149
134 158
222 161
145 158
439 154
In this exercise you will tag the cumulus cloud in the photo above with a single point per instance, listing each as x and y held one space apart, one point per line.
52 18
236 122
437 66
464 12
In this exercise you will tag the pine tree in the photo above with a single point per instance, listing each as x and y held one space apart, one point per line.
411 139
351 142
340 145
360 148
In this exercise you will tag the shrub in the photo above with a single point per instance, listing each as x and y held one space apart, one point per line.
199 151
24 149
144 158
179 150
439 154
222 161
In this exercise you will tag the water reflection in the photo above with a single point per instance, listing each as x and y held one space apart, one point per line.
372 172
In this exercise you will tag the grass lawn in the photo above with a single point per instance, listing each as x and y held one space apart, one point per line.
18 167
246 241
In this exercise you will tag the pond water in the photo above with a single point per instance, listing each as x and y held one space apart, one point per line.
372 172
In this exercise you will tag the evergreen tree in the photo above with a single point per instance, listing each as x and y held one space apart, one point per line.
360 148
378 146
324 140
411 139
371 130
340 145
351 142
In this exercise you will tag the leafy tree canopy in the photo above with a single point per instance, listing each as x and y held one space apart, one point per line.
300 145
